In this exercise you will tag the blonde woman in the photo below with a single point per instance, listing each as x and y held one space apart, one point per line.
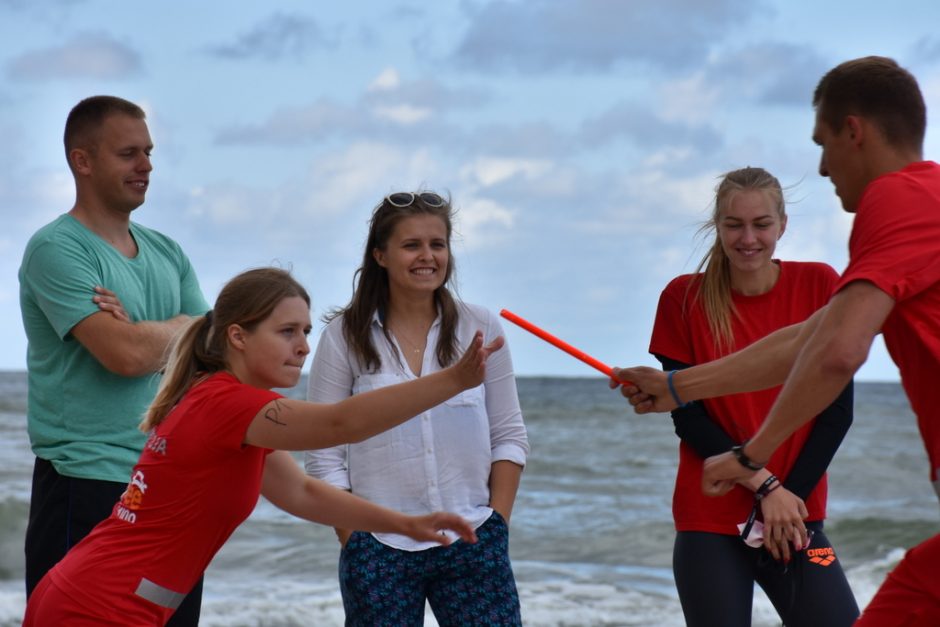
739 294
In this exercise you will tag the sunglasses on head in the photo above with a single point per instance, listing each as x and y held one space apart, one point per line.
405 199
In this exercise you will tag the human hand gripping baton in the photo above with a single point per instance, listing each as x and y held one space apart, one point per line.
554 341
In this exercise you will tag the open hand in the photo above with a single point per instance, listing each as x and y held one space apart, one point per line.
471 369
431 527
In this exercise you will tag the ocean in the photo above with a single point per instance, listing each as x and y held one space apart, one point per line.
591 537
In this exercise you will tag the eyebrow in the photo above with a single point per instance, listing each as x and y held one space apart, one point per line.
765 216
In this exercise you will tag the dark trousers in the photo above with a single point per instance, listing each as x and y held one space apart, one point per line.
62 511
715 576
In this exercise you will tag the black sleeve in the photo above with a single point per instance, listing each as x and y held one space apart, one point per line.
693 424
821 445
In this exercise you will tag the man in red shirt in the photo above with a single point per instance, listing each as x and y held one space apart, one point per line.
870 124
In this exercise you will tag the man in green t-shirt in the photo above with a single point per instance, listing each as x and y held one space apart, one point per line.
102 298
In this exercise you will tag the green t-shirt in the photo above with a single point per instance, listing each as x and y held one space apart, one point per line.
82 417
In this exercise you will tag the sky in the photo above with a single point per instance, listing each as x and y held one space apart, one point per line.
580 141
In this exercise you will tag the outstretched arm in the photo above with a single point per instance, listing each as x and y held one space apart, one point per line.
294 425
761 365
287 487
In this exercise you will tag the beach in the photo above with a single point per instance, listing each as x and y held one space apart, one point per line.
591 535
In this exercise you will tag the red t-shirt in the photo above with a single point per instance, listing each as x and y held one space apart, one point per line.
681 332
194 484
895 244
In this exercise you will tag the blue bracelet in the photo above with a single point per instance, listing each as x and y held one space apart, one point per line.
672 390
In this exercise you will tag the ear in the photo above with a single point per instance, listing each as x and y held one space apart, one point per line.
855 127
379 256
236 336
80 160
783 227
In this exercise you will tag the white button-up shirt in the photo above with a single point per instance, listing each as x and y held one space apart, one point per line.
437 461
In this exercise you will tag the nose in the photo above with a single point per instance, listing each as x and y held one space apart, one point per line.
144 164
748 234
823 170
304 348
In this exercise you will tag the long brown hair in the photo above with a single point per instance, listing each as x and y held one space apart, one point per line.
247 300
371 290
714 284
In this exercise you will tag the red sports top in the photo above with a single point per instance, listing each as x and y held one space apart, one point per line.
681 332
194 484
895 244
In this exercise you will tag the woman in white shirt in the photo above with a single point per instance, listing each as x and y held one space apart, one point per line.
465 456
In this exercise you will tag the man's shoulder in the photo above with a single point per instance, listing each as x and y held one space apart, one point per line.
60 228
141 231
62 236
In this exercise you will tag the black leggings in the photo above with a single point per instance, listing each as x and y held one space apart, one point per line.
62 511
715 576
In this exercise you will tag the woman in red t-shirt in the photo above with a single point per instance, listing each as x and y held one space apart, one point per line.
724 545
218 439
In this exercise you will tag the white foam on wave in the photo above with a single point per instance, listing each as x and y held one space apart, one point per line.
288 602
12 603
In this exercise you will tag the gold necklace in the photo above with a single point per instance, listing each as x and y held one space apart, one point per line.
416 349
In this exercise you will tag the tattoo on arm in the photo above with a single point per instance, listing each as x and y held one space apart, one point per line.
274 414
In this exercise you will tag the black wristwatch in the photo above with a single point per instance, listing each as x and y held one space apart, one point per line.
744 460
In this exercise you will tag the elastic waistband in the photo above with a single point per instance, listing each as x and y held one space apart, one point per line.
164 597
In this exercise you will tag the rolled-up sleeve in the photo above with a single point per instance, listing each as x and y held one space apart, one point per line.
508 438
330 381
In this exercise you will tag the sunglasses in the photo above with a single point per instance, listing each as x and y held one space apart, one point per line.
405 199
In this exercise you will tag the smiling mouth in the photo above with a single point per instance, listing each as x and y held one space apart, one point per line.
423 271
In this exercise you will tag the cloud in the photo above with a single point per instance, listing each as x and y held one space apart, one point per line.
769 73
595 35
647 129
87 55
276 37
390 108
388 89
489 171
50 5
927 49
528 139
295 125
